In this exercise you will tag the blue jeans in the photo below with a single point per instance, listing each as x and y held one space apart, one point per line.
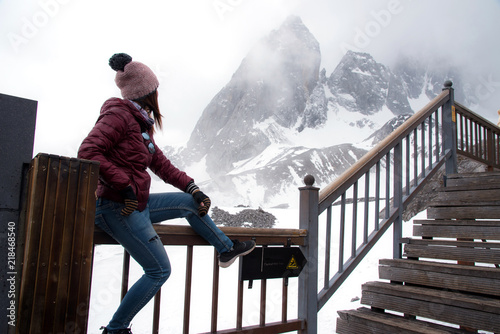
137 235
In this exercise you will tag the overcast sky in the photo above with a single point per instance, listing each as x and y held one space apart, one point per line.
57 51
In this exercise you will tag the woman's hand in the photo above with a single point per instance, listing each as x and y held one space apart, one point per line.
204 202
199 197
130 201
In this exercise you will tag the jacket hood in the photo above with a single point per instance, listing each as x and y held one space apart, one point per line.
127 106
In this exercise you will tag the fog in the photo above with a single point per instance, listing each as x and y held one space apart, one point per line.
57 51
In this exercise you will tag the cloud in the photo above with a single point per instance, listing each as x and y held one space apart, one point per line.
56 51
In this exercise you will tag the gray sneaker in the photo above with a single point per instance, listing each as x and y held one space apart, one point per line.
239 249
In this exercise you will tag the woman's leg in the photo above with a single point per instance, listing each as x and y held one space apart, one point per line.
137 235
166 206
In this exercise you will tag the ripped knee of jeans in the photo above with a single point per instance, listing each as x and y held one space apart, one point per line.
156 237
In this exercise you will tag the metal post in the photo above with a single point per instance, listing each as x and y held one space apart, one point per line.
308 279
450 130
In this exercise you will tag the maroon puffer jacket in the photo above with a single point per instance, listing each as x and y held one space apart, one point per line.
116 142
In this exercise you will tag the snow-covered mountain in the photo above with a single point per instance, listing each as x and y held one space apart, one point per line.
280 117
279 171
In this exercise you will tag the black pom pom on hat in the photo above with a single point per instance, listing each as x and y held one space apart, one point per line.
118 61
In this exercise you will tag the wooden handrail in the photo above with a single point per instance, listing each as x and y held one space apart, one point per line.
182 235
353 173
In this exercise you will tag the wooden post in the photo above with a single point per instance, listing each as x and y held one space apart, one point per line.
449 124
57 266
398 201
490 150
308 279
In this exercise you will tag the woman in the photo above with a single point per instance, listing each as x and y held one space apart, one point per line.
122 141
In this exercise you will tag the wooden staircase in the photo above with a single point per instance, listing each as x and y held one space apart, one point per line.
449 281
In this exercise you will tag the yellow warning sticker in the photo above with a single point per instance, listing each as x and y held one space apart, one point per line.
292 264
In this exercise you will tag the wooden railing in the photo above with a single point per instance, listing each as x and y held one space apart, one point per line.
57 256
477 138
373 192
174 235
368 198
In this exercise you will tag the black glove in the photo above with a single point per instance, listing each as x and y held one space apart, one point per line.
130 201
200 198
204 202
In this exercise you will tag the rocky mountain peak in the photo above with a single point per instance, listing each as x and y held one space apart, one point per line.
271 87
361 84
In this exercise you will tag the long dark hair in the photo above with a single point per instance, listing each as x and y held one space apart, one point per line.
150 103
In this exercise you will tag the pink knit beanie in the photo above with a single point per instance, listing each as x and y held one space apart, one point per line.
134 79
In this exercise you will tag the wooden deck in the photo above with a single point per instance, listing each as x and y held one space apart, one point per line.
449 280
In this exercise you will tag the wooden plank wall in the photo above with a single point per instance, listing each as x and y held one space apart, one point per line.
57 266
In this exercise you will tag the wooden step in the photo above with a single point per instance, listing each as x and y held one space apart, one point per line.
472 229
486 186
467 222
481 252
483 197
473 180
464 212
366 321
461 309
455 277
467 196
